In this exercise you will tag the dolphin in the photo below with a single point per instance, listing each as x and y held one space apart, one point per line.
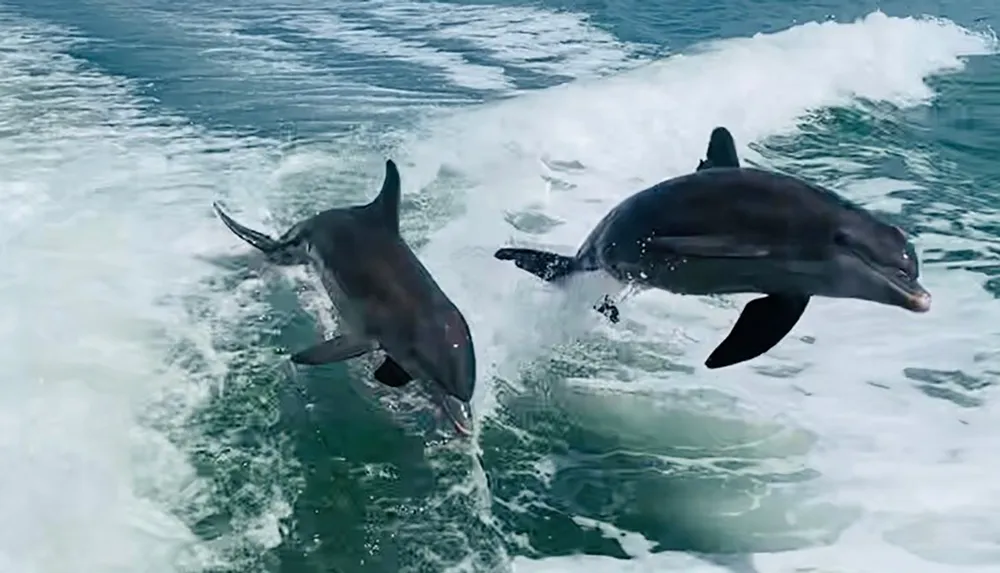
386 298
726 229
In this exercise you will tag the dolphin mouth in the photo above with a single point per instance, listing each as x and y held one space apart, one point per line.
459 413
914 297
918 302
908 293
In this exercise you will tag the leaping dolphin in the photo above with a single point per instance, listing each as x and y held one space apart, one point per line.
726 229
386 298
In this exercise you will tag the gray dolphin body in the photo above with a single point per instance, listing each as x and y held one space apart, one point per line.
727 229
386 298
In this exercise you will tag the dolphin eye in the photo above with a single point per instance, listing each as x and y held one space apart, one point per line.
841 239
910 262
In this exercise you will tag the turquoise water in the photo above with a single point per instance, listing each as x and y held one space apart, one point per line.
150 421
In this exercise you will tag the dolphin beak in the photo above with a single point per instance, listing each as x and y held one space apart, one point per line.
904 291
459 412
919 301
909 294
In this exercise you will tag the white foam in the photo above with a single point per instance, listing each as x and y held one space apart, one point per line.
87 487
104 211
883 451
365 38
555 43
434 35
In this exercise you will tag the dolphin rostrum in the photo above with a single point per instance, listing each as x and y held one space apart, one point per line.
386 298
727 229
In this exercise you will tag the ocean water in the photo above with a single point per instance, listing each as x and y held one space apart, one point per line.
150 421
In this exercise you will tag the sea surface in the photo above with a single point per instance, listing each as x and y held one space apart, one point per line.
150 421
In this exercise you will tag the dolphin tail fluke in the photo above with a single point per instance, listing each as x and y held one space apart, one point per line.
278 250
544 265
721 151
762 324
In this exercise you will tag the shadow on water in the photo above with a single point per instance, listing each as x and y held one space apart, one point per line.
372 486
575 468
382 491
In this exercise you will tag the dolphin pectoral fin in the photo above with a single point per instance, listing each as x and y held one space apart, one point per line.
721 151
392 374
339 348
544 265
707 246
762 324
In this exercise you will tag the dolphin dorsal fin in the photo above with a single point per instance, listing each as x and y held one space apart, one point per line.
721 151
387 202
